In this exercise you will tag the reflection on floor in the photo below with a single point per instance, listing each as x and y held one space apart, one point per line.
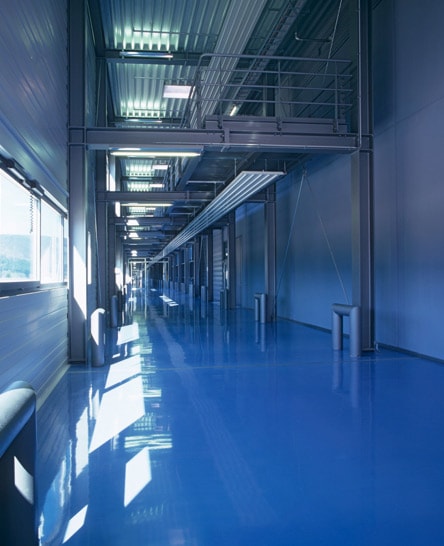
208 428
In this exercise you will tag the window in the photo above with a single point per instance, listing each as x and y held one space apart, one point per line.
33 238
51 245
19 237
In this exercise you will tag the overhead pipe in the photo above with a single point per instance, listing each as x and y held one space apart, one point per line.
246 184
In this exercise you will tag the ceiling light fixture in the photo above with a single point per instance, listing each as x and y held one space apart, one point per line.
146 205
176 91
128 152
143 120
145 54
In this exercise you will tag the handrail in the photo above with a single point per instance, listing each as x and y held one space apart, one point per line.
17 405
18 521
264 86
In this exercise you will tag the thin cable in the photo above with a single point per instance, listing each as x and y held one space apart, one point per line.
290 233
324 231
333 36
334 29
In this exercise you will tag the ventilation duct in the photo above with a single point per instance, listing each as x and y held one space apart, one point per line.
241 188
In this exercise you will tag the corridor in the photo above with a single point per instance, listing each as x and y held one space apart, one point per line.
211 429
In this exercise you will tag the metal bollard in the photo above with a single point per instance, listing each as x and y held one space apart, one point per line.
257 307
260 307
98 337
340 310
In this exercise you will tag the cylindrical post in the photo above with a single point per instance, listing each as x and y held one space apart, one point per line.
257 305
98 337
263 308
336 331
355 332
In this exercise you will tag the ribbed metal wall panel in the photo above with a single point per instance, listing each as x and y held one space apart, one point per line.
33 337
195 26
33 89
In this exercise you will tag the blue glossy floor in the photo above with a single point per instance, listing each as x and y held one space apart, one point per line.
209 429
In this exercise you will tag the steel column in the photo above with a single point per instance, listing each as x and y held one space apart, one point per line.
232 260
103 293
270 253
77 303
209 265
197 258
362 185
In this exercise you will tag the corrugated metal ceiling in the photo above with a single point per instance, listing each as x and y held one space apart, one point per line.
170 25
187 30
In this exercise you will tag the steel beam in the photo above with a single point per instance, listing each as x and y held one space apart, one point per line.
147 235
219 140
176 221
153 196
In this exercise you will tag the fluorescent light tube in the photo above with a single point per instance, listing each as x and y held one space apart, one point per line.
176 91
146 54
126 153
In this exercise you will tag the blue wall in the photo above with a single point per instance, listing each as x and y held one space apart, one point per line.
409 196
313 236
250 231
314 241
408 44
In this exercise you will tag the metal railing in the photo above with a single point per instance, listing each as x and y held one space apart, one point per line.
269 86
